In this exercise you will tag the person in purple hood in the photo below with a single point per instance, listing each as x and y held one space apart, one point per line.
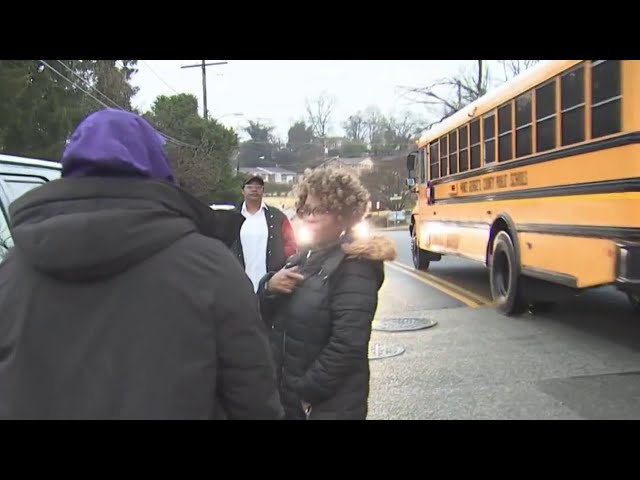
121 298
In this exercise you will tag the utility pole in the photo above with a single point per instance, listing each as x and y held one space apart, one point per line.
204 66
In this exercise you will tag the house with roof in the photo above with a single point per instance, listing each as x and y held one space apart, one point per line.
356 165
271 174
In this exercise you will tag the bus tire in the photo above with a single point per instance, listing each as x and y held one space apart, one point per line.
505 276
420 259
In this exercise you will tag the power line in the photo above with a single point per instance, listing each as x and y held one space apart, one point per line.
159 77
73 83
167 137
86 82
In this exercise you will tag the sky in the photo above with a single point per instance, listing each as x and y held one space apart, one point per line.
274 91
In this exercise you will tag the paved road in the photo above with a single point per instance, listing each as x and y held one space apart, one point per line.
579 361
470 275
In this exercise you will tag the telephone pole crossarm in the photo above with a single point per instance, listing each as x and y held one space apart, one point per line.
204 66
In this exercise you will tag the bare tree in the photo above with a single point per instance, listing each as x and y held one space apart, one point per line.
385 181
320 114
446 96
404 126
393 133
374 124
513 68
354 127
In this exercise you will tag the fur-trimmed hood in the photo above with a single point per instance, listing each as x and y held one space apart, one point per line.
374 247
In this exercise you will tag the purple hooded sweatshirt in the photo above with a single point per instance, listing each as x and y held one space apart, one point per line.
115 143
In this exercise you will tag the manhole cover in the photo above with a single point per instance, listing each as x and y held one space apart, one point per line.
377 351
403 324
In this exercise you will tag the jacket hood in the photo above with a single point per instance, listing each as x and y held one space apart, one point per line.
375 247
80 229
114 143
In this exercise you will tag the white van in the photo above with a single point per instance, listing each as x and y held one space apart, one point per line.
18 175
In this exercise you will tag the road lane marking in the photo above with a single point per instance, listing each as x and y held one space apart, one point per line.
477 298
463 291
467 297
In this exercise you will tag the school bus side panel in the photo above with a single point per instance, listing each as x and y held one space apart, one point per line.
608 209
590 261
449 238
608 165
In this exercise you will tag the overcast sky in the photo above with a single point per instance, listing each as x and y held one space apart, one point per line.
274 91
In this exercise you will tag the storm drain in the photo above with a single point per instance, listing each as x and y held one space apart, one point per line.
377 351
403 324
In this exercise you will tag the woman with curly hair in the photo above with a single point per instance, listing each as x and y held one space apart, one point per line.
320 306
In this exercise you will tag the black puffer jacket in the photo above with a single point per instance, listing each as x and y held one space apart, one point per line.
320 333
120 301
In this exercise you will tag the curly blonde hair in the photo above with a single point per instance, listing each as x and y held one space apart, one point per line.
338 191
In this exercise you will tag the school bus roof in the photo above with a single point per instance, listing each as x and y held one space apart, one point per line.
494 98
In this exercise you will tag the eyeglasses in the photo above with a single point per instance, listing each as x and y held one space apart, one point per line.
315 211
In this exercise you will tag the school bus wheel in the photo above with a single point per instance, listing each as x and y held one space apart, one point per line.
505 276
420 257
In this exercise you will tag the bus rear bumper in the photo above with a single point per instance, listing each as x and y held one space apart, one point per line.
628 266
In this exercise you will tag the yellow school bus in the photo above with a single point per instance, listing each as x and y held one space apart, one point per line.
540 181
